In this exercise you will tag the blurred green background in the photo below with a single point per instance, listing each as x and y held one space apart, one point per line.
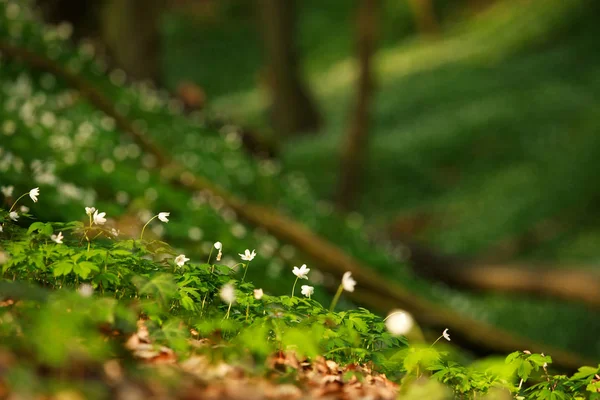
475 124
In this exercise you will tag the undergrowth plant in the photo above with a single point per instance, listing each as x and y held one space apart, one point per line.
73 292
54 137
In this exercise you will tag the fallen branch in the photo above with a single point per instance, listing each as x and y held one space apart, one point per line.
376 291
570 283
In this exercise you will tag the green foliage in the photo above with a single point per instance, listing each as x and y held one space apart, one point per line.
61 298
52 137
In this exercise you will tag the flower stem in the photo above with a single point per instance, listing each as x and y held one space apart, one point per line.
144 228
208 261
16 201
436 340
246 271
394 313
228 309
336 298
294 287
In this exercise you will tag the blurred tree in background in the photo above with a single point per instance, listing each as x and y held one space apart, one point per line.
127 31
292 108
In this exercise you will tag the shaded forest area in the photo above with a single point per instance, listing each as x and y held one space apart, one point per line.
440 152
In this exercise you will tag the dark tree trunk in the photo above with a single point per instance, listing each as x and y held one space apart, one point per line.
293 110
82 15
353 157
130 29
127 31
425 18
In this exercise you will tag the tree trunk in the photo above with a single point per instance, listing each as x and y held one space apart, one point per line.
82 15
425 18
131 32
292 108
354 153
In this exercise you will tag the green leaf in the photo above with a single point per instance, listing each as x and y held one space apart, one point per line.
593 387
524 370
539 359
585 373
223 269
512 357
42 227
106 278
84 268
123 253
187 303
63 268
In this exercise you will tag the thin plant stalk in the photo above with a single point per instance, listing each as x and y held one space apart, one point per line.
17 200
208 261
228 309
144 228
294 287
245 271
336 298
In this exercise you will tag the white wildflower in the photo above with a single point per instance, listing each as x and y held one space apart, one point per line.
218 245
34 193
227 293
57 238
163 216
301 272
258 294
85 290
14 215
348 282
247 256
399 322
90 210
99 218
181 259
446 335
7 191
307 290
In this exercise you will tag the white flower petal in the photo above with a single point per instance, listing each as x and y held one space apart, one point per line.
34 193
301 272
446 334
163 216
307 290
181 259
247 256
227 293
348 282
99 218
399 322
7 191
57 238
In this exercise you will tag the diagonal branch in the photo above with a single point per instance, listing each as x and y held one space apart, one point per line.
376 291
569 283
